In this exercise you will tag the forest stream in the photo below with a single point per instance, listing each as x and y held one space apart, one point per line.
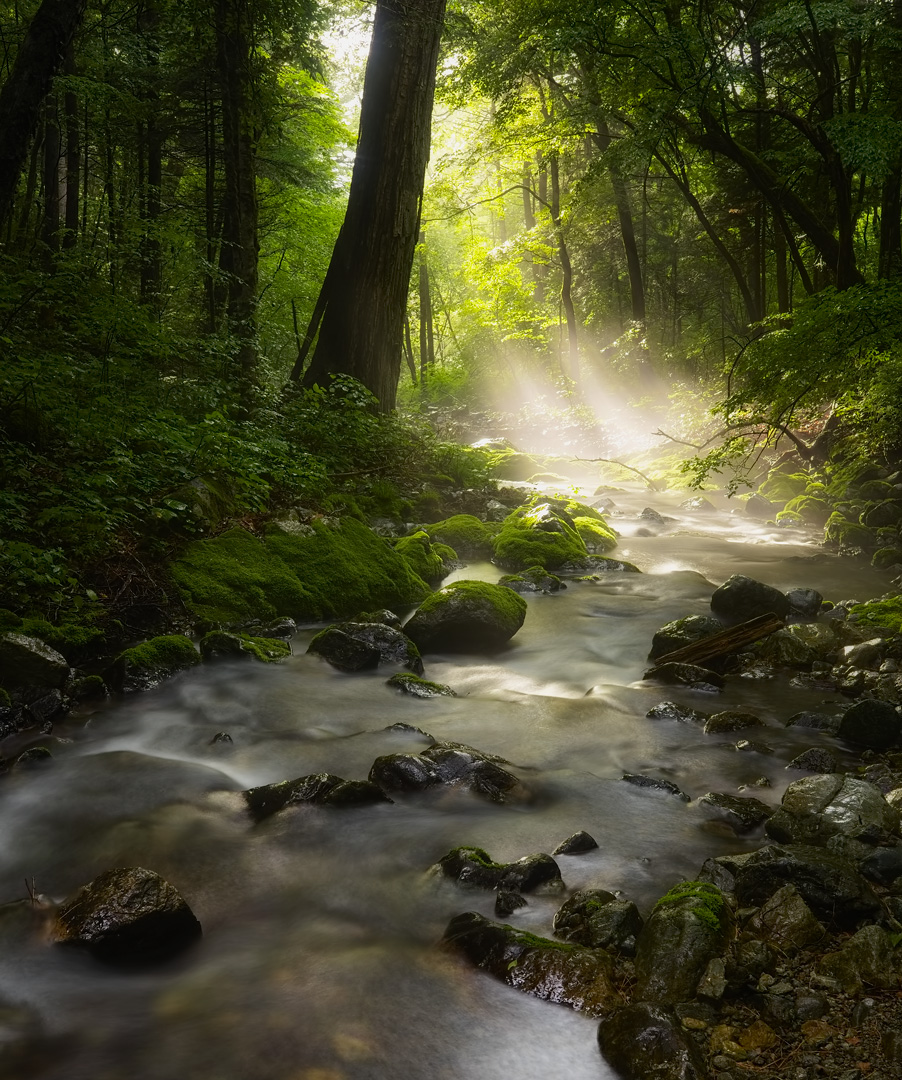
320 958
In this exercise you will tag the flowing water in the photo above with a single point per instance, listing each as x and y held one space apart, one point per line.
319 959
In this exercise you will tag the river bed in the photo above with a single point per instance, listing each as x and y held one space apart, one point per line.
319 959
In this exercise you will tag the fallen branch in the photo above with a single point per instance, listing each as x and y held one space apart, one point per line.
653 485
727 641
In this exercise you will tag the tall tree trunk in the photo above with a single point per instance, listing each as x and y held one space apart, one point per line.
73 159
151 248
50 228
566 270
365 291
890 258
427 337
37 62
239 252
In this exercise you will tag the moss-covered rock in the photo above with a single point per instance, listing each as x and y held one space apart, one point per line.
846 534
885 557
882 515
596 535
782 486
466 534
538 535
875 490
511 465
789 518
682 632
310 572
150 663
467 615
533 580
812 510
217 643
421 556
353 646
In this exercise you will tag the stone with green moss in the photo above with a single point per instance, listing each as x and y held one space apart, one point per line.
690 925
421 555
846 535
597 919
218 643
681 632
511 465
883 615
310 571
466 534
875 490
467 615
353 646
28 661
420 688
885 557
788 518
150 663
538 535
782 485
812 510
535 579
882 515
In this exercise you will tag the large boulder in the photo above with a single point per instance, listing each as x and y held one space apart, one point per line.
597 919
818 807
354 646
871 723
469 536
152 662
566 974
473 866
452 764
681 632
467 616
551 533
217 644
741 598
128 915
646 1040
786 922
28 661
688 927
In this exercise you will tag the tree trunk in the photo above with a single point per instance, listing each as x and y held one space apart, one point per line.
50 228
566 270
238 255
890 258
37 62
366 285
427 338
73 159
151 249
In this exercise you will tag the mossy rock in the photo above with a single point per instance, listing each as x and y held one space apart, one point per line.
354 646
538 535
681 632
596 535
883 615
466 534
467 615
882 515
419 688
812 510
847 534
511 465
848 471
789 518
875 490
532 580
783 486
422 557
886 557
218 644
311 572
150 663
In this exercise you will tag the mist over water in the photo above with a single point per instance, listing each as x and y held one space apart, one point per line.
319 959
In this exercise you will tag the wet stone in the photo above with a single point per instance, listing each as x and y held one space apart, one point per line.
741 598
730 720
688 675
785 922
221 737
883 866
403 772
670 710
804 603
681 632
575 844
754 747
268 799
597 919
655 784
646 1040
742 814
506 903
818 721
818 759
873 724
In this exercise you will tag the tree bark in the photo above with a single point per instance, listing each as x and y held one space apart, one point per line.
37 62
566 270
73 159
366 286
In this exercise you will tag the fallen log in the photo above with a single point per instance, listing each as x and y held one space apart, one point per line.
727 641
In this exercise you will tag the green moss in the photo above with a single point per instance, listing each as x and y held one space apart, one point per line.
884 615
477 855
789 517
464 533
510 465
516 936
711 904
508 607
848 534
309 572
417 687
812 510
68 638
172 652
817 489
875 490
886 556
537 535
782 486
9 620
421 556
5 701
266 650
445 553
596 535
565 505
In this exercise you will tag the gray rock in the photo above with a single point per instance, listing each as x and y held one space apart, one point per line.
506 903
786 922
128 915
758 507
576 844
652 517
670 710
741 598
354 646
597 919
656 784
416 687
816 808
681 632
645 1041
742 814
318 789
868 958
28 661
818 760
804 603
816 720
687 928
867 655
730 720
461 765
883 865
566 974
688 675
403 772
700 504
873 724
